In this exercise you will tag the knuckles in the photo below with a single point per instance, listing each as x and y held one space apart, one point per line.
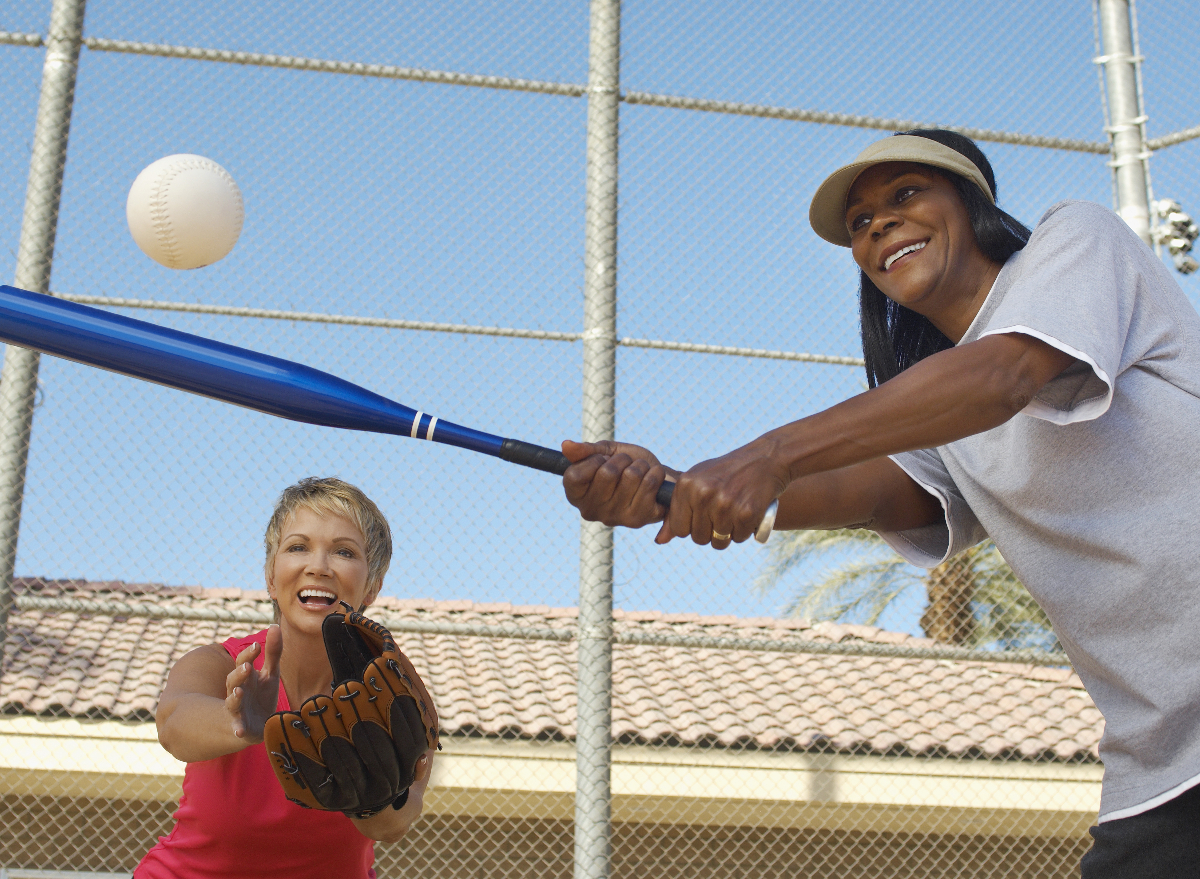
636 471
702 500
614 467
744 514
614 487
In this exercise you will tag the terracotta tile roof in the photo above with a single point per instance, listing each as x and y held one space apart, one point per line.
113 667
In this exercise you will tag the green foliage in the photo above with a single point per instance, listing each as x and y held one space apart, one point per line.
866 576
869 578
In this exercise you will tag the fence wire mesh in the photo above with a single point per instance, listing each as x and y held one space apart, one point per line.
775 710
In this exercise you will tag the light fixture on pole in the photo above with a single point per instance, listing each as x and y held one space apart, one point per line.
1178 232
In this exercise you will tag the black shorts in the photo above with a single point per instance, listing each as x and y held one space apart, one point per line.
1163 843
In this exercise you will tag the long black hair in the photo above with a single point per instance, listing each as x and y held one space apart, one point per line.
895 337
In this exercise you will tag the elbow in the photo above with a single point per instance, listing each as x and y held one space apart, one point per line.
170 745
1016 400
1017 368
164 736
1010 392
171 742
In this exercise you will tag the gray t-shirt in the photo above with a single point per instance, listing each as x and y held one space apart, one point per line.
1092 492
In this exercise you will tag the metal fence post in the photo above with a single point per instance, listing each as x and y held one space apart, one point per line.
18 383
593 767
1129 155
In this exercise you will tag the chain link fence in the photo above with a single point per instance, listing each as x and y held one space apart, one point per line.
427 216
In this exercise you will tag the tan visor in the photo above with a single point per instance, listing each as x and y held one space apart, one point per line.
827 213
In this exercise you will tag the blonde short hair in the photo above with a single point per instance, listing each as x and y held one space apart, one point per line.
330 496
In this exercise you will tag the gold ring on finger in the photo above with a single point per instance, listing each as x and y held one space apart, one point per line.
718 536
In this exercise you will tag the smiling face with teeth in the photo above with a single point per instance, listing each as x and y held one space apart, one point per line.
911 234
321 561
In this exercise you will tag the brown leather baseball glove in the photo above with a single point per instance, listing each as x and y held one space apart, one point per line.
355 751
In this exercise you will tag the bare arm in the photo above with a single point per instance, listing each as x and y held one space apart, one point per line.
213 705
829 470
615 483
876 494
950 395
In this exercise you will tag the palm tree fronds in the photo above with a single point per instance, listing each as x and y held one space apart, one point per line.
790 549
975 593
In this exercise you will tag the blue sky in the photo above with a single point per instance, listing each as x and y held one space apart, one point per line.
430 202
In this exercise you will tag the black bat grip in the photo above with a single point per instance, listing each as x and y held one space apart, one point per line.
537 457
550 461
664 493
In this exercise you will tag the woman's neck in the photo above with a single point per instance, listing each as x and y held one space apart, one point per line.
303 667
955 319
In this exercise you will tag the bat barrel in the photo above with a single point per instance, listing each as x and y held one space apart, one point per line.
212 369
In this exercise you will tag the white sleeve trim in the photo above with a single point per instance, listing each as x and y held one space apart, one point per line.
1152 803
1085 411
906 548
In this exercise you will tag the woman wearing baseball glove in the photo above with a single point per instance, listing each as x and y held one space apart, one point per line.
309 741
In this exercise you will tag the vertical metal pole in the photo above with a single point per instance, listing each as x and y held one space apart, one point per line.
593 737
1126 120
18 382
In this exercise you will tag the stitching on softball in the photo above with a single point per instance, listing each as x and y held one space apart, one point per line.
158 204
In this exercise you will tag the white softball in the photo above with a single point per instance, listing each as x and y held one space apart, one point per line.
184 211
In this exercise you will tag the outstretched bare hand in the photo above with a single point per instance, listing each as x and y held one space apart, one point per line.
253 694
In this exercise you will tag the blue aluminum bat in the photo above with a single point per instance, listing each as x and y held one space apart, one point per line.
247 378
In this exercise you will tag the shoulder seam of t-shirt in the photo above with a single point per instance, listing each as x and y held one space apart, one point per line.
984 312
1072 202
1053 209
1082 410
1157 304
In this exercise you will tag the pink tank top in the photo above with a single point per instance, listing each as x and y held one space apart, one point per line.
233 822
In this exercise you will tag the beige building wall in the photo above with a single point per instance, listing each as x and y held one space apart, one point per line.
80 794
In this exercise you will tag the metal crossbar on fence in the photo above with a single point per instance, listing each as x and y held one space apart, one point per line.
626 635
575 90
458 329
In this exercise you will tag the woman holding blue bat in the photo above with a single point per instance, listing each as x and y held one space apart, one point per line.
1040 388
